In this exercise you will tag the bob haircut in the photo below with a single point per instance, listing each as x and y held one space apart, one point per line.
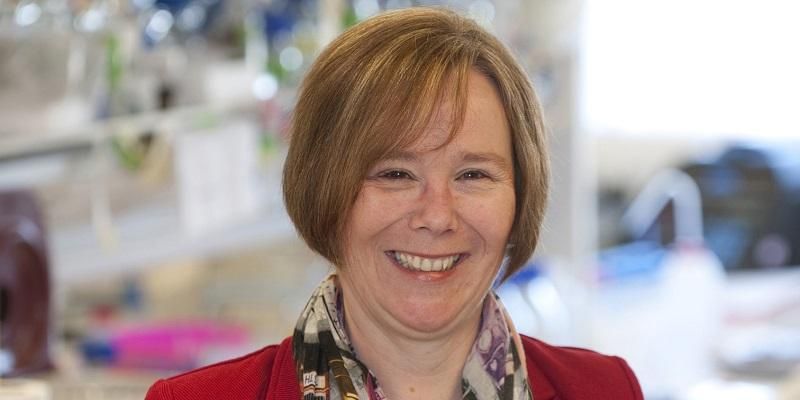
374 90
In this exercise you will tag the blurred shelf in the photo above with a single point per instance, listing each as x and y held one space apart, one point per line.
150 236
146 229
22 145
143 231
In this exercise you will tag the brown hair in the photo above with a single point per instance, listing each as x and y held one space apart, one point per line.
374 90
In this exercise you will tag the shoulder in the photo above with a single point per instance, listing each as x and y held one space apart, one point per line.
242 377
575 373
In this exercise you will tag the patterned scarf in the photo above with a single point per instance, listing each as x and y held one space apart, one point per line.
495 369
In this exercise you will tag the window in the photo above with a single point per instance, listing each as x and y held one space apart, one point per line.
691 67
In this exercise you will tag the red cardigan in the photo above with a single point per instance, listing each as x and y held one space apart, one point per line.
557 373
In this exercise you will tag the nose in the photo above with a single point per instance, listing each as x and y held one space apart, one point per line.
435 210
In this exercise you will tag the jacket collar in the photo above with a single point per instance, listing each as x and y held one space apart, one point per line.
283 382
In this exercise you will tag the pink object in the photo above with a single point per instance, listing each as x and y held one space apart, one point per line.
173 345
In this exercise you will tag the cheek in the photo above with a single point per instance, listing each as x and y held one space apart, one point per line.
372 212
493 220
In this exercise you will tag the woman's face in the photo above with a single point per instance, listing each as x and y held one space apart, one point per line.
429 227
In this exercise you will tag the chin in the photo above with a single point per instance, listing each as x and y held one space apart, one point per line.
426 318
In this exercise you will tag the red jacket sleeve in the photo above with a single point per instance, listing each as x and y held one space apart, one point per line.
635 389
240 378
573 373
159 391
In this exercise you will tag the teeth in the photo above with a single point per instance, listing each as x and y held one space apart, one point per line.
416 263
426 264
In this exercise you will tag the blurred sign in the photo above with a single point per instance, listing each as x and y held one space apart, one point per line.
217 176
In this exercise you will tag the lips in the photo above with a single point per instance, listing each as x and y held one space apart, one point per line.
424 264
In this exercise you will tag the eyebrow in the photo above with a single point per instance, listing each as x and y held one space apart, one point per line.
400 156
486 157
489 157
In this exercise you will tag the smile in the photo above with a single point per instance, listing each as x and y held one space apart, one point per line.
424 264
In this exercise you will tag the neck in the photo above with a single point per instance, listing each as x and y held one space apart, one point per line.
411 367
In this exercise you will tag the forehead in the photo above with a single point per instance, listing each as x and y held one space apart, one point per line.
484 121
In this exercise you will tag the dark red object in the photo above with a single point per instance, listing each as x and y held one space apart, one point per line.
24 284
269 374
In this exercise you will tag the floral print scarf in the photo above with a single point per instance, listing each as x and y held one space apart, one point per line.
495 368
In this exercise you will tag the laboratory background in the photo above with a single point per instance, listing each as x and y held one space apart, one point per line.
142 229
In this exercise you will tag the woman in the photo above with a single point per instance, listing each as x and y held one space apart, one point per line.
417 167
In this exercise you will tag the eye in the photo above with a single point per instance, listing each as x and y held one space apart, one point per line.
473 174
395 174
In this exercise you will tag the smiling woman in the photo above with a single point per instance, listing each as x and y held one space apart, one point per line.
381 87
440 203
444 202
417 167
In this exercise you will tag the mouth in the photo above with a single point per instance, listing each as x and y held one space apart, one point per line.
417 263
